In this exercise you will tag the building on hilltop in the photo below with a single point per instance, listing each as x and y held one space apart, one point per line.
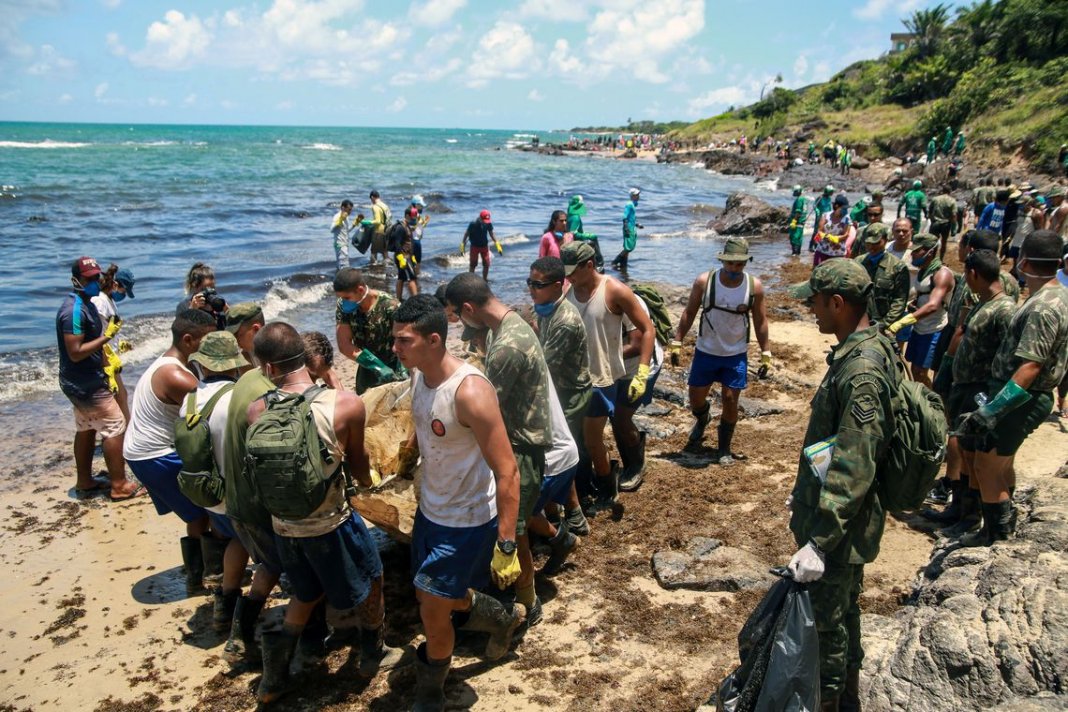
900 41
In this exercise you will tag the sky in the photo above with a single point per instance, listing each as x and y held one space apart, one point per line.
515 64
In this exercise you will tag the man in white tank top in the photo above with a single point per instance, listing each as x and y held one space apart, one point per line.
468 498
724 309
149 444
601 302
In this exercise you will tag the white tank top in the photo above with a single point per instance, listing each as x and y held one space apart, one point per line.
457 487
604 336
936 320
722 333
150 432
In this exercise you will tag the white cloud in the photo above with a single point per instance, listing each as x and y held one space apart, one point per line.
173 43
720 99
505 51
111 4
875 9
434 12
157 101
285 105
398 104
557 10
427 76
115 45
65 99
535 95
563 61
232 18
12 15
48 60
228 104
189 100
100 91
801 65
633 38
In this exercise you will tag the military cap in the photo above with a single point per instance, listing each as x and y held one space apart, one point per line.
925 240
1055 191
240 313
219 352
875 232
837 276
576 253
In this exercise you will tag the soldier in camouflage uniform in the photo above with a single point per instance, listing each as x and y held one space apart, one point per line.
1029 364
516 368
837 519
889 277
364 319
563 342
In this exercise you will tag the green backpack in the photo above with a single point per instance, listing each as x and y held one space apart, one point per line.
199 479
285 458
658 312
918 445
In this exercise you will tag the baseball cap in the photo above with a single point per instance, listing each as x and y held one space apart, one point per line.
797 190
837 276
635 191
240 313
736 249
574 254
126 279
418 200
219 352
85 267
925 240
875 232
485 216
840 200
828 189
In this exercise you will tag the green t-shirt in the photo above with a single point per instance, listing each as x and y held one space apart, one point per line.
914 203
516 368
241 502
1039 333
985 328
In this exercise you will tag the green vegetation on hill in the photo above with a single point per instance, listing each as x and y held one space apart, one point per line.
635 127
998 69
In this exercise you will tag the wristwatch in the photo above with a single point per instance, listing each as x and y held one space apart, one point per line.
507 546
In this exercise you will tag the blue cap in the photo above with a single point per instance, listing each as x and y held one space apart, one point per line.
126 279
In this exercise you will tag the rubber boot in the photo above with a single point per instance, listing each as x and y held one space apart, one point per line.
951 514
697 432
576 522
562 545
634 470
429 683
970 516
193 562
608 486
725 434
313 636
212 549
1003 521
850 699
222 610
829 704
278 650
375 655
487 615
241 647
981 537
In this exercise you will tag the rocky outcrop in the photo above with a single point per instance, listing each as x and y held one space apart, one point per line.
748 215
987 626
707 565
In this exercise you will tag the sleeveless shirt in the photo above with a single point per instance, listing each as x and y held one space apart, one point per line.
604 336
150 432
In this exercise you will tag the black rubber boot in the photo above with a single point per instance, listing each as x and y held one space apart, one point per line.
697 432
429 683
313 637
1003 521
829 704
951 514
222 610
724 454
850 699
375 655
608 486
562 545
212 549
633 466
278 650
241 647
576 522
970 515
193 562
981 537
487 615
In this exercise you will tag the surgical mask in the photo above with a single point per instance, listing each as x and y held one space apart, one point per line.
918 261
559 235
92 289
546 309
469 324
348 306
876 258
118 296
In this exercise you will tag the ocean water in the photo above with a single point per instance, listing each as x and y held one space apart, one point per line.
256 202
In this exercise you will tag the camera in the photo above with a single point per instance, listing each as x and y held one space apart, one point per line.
212 300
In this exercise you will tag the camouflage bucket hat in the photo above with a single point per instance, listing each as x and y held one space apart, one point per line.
736 249
875 232
838 276
219 352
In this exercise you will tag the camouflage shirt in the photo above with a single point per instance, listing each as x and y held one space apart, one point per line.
890 288
964 299
1039 333
843 515
943 210
372 331
516 368
985 328
563 341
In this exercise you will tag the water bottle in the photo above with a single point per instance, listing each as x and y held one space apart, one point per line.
981 399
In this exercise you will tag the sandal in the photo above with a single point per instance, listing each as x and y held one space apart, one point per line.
140 491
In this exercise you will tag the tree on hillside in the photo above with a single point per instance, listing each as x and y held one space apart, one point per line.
976 27
929 26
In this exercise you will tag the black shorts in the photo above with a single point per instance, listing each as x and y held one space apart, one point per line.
342 564
940 230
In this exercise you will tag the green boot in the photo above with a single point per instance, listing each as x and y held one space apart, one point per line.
429 683
970 515
487 615
241 647
222 610
1003 522
633 466
561 545
278 650
697 432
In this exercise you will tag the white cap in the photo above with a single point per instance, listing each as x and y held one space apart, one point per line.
635 191
418 200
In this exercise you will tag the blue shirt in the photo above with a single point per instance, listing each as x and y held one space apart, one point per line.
80 380
992 218
630 218
478 233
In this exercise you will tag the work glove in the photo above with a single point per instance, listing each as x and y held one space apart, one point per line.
462 245
124 346
675 351
637 384
500 250
907 320
401 262
943 380
765 364
114 324
793 224
375 477
407 458
807 565
504 569
986 418
834 239
112 367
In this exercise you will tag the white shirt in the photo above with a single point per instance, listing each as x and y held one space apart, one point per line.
563 454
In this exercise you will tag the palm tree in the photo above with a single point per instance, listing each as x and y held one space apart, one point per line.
928 26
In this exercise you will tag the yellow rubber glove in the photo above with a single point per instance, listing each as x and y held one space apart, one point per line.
407 458
765 358
674 351
401 262
114 324
504 569
793 224
834 239
462 245
413 260
376 479
500 250
124 346
907 320
112 366
637 384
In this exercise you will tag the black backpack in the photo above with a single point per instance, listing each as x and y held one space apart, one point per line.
709 302
396 236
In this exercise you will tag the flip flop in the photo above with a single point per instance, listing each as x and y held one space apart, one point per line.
98 486
140 491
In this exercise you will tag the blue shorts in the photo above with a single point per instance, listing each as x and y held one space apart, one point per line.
556 488
342 564
259 543
220 524
160 477
603 400
623 398
904 335
447 561
921 349
731 371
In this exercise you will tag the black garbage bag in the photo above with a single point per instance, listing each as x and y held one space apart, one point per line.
780 658
362 241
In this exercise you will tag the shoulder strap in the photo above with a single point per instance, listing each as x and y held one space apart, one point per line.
209 407
707 301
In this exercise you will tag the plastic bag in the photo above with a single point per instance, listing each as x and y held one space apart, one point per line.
779 652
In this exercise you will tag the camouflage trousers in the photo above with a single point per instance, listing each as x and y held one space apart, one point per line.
834 605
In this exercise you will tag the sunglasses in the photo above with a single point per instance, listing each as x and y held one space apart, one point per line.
535 284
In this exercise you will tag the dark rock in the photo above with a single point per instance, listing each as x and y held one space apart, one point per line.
671 395
707 565
756 408
861 163
747 215
630 153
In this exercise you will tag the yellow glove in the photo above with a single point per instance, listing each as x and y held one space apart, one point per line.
112 367
412 259
462 245
114 324
765 358
124 346
401 261
793 224
834 239
424 220
500 250
674 351
907 320
407 457
376 479
637 384
504 569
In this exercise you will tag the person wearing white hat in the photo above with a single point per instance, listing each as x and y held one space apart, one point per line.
630 230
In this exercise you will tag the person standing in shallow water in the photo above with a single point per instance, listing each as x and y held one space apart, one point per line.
630 230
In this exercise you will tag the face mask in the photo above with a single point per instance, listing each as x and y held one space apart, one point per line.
469 325
874 259
92 289
348 306
918 261
545 309
118 296
559 235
